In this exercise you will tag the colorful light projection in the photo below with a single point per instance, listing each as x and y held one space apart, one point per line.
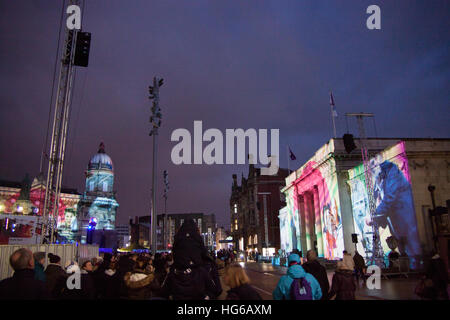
395 214
314 200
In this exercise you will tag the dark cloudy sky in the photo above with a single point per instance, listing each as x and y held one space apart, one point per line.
231 64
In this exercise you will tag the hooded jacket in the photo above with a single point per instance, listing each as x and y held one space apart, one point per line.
282 291
138 285
320 273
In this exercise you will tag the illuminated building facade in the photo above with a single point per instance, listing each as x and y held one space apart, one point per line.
99 199
24 201
327 198
254 208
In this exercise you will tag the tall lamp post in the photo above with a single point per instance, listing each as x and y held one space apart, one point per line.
166 190
155 120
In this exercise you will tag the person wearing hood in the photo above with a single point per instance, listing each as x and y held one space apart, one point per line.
436 271
56 276
39 261
189 278
319 272
295 271
343 284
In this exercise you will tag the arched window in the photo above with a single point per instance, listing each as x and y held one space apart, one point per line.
105 186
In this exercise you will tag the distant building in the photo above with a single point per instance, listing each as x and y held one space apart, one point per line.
169 224
123 235
254 208
99 199
221 235
24 202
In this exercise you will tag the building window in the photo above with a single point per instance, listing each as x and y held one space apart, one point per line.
105 186
235 224
91 185
235 208
255 239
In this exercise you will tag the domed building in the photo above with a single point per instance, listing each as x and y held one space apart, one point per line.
99 199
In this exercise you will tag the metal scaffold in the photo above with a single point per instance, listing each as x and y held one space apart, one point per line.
60 126
376 252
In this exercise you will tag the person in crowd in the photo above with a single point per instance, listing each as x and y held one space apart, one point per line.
137 282
236 278
296 271
319 272
112 282
436 271
343 284
99 275
39 261
188 278
360 266
22 285
55 275
86 290
160 273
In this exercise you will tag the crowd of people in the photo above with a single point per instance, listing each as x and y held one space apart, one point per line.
309 280
189 272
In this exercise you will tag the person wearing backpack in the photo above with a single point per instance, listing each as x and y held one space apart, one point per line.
297 284
190 276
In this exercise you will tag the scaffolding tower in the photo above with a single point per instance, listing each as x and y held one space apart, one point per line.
59 133
376 253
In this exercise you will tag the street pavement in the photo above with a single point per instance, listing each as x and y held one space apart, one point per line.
264 278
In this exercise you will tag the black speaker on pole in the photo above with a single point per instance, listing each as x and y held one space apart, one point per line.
354 237
349 143
82 48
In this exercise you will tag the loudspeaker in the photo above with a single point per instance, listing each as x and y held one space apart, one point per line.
349 143
354 237
82 48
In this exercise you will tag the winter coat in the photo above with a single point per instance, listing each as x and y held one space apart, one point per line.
282 291
437 272
320 273
343 285
244 292
23 286
112 284
211 267
39 273
56 279
138 285
87 289
188 284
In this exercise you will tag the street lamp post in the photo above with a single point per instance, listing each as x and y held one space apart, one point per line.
155 120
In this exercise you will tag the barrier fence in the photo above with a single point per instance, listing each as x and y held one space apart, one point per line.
67 252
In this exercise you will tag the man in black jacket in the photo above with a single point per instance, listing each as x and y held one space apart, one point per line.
193 275
22 285
319 272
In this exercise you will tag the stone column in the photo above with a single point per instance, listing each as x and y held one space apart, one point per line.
309 222
318 223
302 222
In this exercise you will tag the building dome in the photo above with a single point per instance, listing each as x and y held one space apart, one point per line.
101 160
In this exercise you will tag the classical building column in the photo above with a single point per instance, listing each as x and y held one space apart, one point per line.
309 221
302 222
318 222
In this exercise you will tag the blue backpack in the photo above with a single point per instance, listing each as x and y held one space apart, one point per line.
300 290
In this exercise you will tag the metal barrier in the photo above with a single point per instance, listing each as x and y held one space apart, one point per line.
67 252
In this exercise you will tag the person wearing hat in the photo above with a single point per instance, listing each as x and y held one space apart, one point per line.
343 284
295 271
56 276
39 261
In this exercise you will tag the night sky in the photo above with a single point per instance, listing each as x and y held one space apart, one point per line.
232 64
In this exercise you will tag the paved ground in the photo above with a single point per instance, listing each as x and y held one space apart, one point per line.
265 276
